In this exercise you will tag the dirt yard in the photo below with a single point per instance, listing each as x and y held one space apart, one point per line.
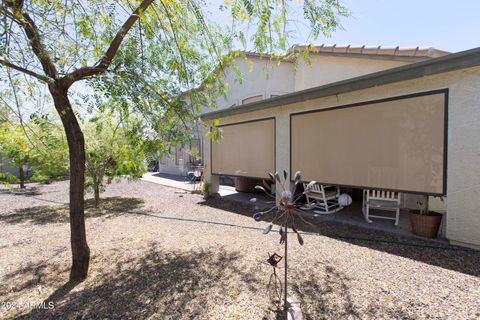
145 266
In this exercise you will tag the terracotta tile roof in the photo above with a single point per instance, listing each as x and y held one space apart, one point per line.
424 52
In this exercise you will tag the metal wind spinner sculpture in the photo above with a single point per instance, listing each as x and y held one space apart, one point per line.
286 213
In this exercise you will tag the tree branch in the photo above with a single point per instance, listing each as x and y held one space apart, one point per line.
26 71
105 62
34 37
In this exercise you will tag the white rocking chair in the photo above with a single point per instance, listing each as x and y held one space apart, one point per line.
325 196
380 199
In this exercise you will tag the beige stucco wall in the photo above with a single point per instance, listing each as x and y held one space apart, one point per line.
325 69
462 203
258 77
265 77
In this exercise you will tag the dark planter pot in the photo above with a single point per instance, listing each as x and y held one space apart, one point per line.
243 184
425 225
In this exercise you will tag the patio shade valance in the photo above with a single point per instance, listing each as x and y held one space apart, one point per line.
396 144
246 149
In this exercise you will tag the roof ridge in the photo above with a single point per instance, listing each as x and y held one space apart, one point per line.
377 50
426 52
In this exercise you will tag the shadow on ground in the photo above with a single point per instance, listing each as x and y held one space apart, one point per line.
30 277
109 207
325 294
448 257
158 285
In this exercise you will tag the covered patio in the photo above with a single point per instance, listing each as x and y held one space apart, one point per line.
393 131
350 215
385 154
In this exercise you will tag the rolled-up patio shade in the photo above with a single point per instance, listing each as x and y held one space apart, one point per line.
394 144
246 149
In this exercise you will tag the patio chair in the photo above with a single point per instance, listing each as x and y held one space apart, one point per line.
194 175
325 196
383 200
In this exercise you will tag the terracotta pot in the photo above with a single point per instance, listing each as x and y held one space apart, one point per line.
425 225
243 184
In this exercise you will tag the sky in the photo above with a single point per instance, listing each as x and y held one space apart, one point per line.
447 25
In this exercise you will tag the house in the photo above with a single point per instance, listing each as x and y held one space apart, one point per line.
365 117
265 77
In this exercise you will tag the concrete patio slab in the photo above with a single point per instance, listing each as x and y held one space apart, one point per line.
179 182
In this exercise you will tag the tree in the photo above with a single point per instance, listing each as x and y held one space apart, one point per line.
111 152
38 143
15 146
22 18
62 42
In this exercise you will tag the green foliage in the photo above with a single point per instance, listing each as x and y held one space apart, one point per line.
39 143
205 187
274 23
9 178
112 150
50 155
14 144
174 51
215 133
40 178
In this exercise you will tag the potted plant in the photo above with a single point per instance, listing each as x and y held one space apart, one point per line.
425 223
205 189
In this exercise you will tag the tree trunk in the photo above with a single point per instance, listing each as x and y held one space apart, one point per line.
96 191
22 177
76 147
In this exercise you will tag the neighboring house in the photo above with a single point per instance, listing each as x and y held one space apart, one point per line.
264 77
368 118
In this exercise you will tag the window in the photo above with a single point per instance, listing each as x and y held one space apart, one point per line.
252 99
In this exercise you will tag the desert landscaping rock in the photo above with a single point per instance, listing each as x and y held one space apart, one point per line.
144 266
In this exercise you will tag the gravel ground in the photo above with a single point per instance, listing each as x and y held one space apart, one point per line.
146 267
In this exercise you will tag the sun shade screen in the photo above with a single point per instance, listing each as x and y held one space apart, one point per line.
397 144
246 149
